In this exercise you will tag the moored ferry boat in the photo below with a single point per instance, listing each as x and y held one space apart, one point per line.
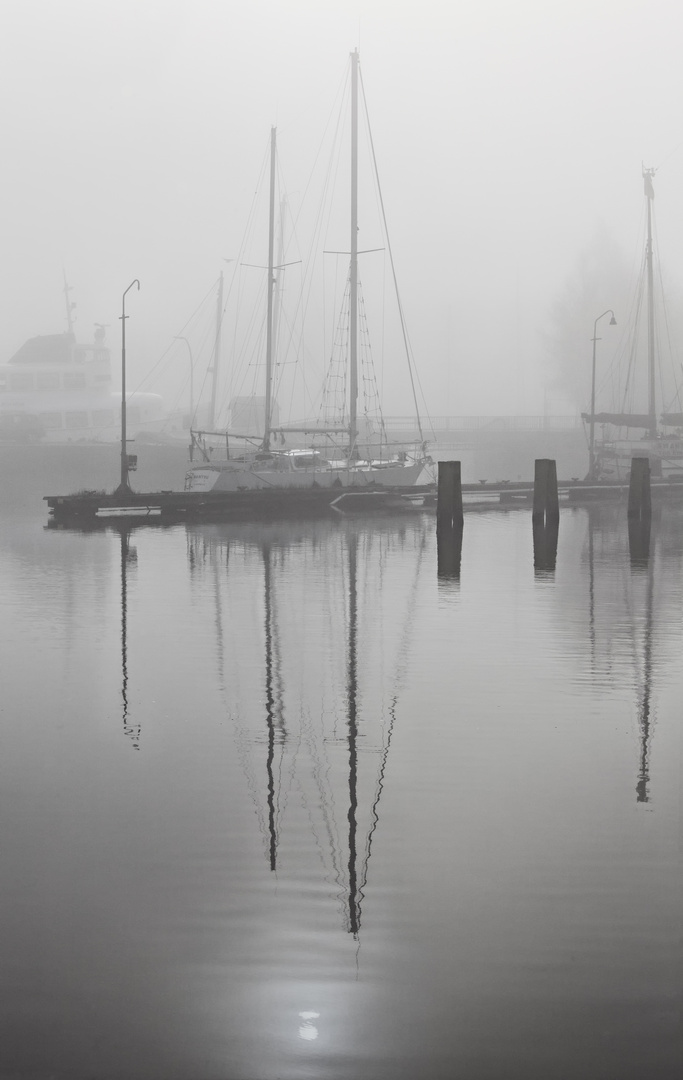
56 389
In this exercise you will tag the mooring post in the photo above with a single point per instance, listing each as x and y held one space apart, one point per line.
449 520
639 542
546 498
639 494
552 506
545 535
448 553
449 513
545 517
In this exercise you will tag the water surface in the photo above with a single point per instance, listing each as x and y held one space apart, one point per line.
279 802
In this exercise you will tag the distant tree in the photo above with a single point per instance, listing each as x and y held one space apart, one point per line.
602 279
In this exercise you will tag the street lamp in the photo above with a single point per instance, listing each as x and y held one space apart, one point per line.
124 486
179 337
591 463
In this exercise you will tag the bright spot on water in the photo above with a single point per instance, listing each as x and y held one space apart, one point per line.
307 1030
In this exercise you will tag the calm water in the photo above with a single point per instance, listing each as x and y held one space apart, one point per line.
277 802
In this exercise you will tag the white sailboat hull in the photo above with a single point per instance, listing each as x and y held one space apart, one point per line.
228 476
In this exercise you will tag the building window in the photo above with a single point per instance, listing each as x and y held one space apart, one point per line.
103 418
75 420
50 420
74 380
23 381
47 380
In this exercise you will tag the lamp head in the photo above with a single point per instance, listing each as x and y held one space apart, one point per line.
613 321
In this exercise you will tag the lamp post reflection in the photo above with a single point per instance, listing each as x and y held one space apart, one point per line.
128 557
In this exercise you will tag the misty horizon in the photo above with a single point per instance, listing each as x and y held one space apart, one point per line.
508 143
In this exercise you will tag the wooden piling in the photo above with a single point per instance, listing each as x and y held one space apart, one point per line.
449 513
546 498
639 494
639 542
449 519
545 545
448 553
545 517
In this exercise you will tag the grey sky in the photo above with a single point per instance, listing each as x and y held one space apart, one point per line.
507 133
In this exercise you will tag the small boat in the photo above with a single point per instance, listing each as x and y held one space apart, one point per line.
353 456
661 440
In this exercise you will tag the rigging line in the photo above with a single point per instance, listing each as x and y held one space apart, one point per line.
324 212
669 340
393 268
629 386
334 110
168 348
240 735
246 237
209 333
669 155
326 801
306 290
186 380
403 652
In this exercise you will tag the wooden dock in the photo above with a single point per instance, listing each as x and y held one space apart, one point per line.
272 503
91 507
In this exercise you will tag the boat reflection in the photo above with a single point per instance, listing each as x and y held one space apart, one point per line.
326 732
628 596
643 565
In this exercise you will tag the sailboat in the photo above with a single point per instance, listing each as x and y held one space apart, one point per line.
353 463
611 454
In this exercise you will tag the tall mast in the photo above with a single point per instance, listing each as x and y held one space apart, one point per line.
277 275
353 272
648 175
216 353
271 281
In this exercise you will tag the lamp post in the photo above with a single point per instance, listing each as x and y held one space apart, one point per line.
179 337
124 486
591 463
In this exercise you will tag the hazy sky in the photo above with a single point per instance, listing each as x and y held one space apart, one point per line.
507 131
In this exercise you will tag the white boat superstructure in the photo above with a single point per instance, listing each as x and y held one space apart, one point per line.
299 469
56 389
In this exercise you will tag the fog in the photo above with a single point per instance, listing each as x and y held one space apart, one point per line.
508 137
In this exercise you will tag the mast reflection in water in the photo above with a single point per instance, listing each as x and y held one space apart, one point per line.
377 814
623 566
305 757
